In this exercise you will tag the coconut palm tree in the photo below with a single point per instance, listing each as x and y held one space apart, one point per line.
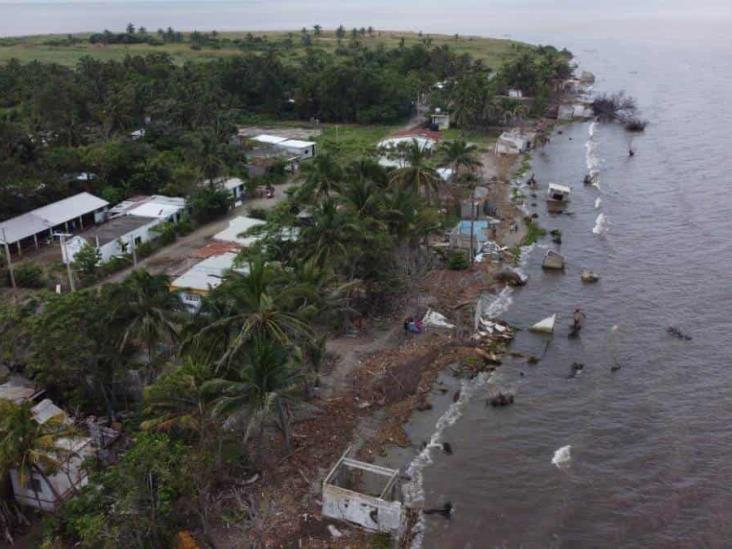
30 447
259 304
416 173
460 156
262 385
323 177
145 311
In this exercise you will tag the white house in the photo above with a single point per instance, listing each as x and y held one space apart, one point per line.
441 120
237 226
576 111
515 93
513 142
203 277
114 238
46 491
294 147
299 148
131 223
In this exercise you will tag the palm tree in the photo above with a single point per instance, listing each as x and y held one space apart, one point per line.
460 156
145 310
255 305
323 177
265 382
31 447
331 235
416 173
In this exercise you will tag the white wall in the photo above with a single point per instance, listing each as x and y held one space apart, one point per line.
113 248
62 483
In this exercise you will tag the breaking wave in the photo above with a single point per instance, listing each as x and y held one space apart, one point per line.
562 457
598 202
592 157
414 489
601 225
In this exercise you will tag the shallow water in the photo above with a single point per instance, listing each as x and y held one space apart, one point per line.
650 443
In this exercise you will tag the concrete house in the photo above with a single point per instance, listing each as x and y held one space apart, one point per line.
131 223
47 491
513 142
293 147
203 277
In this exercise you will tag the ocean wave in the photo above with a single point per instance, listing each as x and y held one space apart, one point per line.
598 202
562 457
601 225
592 156
414 489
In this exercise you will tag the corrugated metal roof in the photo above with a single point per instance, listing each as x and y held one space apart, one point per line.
159 207
237 226
266 138
208 274
70 208
296 144
47 217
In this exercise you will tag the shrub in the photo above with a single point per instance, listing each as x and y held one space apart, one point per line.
28 275
167 233
259 213
87 260
209 203
457 260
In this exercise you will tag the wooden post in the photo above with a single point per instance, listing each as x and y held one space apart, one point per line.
35 240
10 261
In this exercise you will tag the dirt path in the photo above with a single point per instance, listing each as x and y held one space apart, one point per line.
177 258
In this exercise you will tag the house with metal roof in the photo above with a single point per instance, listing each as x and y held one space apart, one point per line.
69 215
203 277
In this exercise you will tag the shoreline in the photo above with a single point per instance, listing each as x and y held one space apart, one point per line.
356 412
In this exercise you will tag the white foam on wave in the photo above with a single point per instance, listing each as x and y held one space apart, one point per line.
601 225
598 202
562 457
414 489
592 156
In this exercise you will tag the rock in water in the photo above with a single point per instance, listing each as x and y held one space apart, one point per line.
589 276
553 260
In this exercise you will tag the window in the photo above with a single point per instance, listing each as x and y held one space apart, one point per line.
138 240
34 484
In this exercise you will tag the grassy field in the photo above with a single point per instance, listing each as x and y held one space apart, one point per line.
38 48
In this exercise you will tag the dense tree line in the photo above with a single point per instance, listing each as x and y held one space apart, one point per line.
57 122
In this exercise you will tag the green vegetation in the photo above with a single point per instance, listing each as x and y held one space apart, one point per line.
457 261
221 387
533 233
70 49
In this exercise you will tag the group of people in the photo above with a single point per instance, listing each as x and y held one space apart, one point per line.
412 326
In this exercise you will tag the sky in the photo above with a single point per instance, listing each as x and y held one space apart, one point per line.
480 17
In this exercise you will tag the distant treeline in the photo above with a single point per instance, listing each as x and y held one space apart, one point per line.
56 121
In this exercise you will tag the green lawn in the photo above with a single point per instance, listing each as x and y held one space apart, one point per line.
351 140
492 51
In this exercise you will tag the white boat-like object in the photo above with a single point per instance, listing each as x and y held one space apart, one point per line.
545 326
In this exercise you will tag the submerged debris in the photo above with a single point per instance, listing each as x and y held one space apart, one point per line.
501 399
577 368
445 510
676 332
553 260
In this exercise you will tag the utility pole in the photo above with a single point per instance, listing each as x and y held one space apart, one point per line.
134 251
10 261
472 224
65 250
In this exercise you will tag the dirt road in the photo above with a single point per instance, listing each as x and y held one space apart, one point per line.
177 258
